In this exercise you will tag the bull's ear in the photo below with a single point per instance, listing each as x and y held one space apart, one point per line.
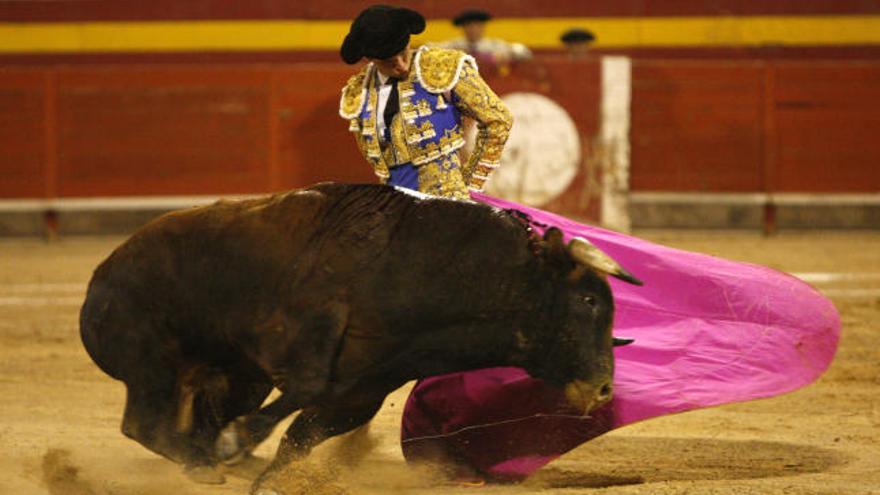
553 236
554 243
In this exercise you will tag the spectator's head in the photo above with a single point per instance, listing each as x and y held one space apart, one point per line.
473 23
381 33
577 41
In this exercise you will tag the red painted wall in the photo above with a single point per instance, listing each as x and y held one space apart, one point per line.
174 10
78 10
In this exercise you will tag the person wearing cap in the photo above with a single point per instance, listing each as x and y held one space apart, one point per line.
486 50
577 41
405 107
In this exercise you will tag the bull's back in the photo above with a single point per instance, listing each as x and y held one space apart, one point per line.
208 277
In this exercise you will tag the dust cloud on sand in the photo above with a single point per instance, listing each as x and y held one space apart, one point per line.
352 464
61 476
60 416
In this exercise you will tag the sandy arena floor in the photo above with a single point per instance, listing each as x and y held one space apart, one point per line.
59 415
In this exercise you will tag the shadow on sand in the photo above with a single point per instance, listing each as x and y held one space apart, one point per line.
604 462
625 461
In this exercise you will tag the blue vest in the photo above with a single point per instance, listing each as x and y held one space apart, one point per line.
427 128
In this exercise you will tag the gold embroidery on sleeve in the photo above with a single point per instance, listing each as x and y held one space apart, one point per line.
475 99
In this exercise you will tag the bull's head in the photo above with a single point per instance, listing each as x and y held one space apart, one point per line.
574 347
178 412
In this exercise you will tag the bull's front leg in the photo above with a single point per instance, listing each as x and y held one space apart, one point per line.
310 428
243 435
312 342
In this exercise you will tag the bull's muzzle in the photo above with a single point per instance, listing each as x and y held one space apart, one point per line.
586 397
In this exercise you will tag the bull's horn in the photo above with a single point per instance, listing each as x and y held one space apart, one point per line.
185 409
620 341
587 254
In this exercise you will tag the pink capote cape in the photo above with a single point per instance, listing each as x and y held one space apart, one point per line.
707 331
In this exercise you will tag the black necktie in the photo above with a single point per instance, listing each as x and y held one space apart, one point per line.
392 106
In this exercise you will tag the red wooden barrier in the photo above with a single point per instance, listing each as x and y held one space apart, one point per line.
792 126
827 120
155 129
24 132
117 130
696 126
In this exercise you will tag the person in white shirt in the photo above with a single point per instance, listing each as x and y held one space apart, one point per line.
486 50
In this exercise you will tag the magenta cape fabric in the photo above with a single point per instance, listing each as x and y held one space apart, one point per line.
707 331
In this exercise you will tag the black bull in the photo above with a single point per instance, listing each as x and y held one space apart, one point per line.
336 295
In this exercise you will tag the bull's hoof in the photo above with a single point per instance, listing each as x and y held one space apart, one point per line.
205 475
229 446
241 458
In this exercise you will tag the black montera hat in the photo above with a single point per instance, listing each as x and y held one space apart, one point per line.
577 35
471 15
380 31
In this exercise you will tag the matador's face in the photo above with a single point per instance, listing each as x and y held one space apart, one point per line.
396 66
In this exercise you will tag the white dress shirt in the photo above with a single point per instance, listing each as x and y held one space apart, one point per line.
383 92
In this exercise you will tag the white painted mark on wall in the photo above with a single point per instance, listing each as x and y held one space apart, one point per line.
614 142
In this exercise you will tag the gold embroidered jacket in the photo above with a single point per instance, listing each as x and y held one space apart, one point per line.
443 85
